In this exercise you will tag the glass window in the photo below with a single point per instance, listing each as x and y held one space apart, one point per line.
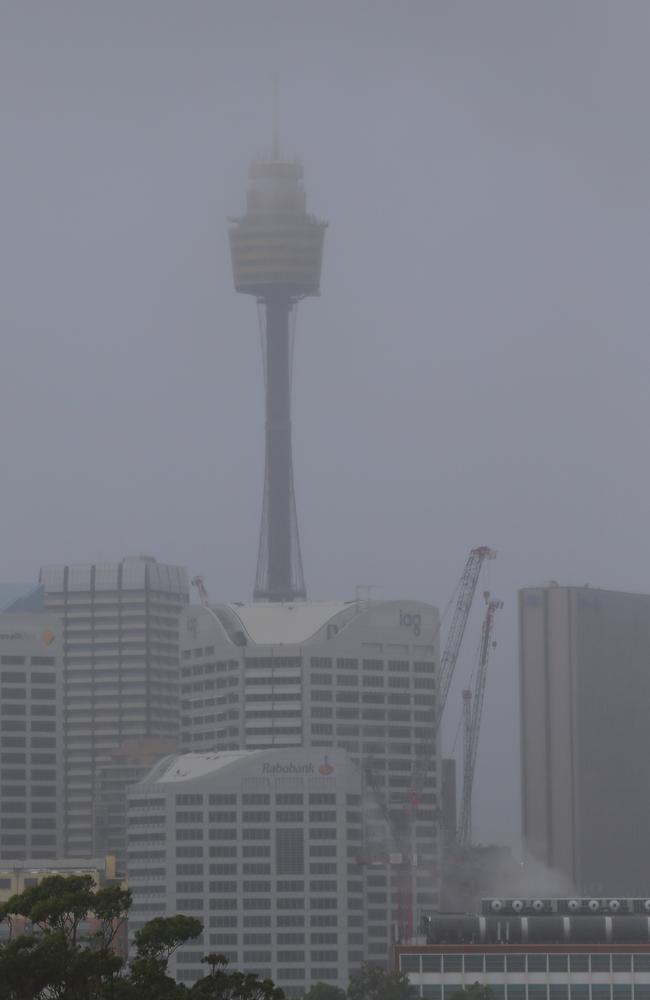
453 963
432 990
621 991
536 963
494 963
642 963
600 963
516 991
579 963
621 963
558 963
431 963
579 991
537 991
515 963
558 991
473 963
410 963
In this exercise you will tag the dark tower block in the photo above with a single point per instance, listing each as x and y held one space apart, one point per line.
277 249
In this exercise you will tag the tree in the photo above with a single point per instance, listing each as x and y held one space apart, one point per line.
324 991
220 984
477 991
58 959
373 983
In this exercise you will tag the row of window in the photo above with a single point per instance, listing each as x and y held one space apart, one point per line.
535 962
559 991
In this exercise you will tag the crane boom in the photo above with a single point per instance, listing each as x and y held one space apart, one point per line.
466 591
472 711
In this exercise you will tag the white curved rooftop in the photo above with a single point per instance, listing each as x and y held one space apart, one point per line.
184 767
276 624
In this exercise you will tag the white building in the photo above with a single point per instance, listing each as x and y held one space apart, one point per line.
31 727
120 633
265 848
359 676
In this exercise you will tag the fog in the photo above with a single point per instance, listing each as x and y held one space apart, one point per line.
475 369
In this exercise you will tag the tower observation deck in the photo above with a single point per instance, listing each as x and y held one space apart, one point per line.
277 250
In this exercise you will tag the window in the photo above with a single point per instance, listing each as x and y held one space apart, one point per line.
290 851
536 963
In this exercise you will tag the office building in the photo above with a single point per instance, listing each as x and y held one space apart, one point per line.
120 660
360 676
129 763
585 743
541 949
31 726
265 847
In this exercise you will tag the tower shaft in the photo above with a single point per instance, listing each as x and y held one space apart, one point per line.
279 567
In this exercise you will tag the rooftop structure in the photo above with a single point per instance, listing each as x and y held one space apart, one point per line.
276 252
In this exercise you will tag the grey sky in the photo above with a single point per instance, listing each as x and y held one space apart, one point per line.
476 368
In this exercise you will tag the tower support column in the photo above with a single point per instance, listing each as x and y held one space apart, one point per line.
279 471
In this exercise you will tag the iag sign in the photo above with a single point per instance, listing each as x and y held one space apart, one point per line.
412 621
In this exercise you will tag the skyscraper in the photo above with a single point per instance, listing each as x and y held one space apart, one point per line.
585 746
31 726
359 676
120 658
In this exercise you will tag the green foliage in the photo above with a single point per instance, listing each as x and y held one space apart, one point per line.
324 991
55 960
372 983
477 991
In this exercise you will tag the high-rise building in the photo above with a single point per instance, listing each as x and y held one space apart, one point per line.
265 848
360 676
120 660
31 726
129 763
585 747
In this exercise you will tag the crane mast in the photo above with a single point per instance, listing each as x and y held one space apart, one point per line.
466 591
472 711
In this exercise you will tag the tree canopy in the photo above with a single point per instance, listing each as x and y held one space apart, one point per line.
55 956
372 983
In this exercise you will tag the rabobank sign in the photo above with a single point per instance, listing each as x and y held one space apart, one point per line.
290 767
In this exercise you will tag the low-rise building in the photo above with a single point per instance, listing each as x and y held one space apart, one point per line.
535 949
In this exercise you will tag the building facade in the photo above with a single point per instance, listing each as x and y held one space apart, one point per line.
359 676
535 950
585 746
31 727
120 660
265 848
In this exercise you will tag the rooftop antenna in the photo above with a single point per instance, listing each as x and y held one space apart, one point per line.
276 130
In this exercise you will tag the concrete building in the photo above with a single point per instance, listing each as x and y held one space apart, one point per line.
585 742
130 762
359 676
543 949
265 848
31 726
120 658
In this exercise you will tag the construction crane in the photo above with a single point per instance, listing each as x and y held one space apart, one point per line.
472 711
197 582
464 594
466 591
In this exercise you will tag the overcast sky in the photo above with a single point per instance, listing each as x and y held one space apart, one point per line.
476 369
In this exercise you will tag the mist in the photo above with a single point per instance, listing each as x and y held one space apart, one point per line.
474 370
